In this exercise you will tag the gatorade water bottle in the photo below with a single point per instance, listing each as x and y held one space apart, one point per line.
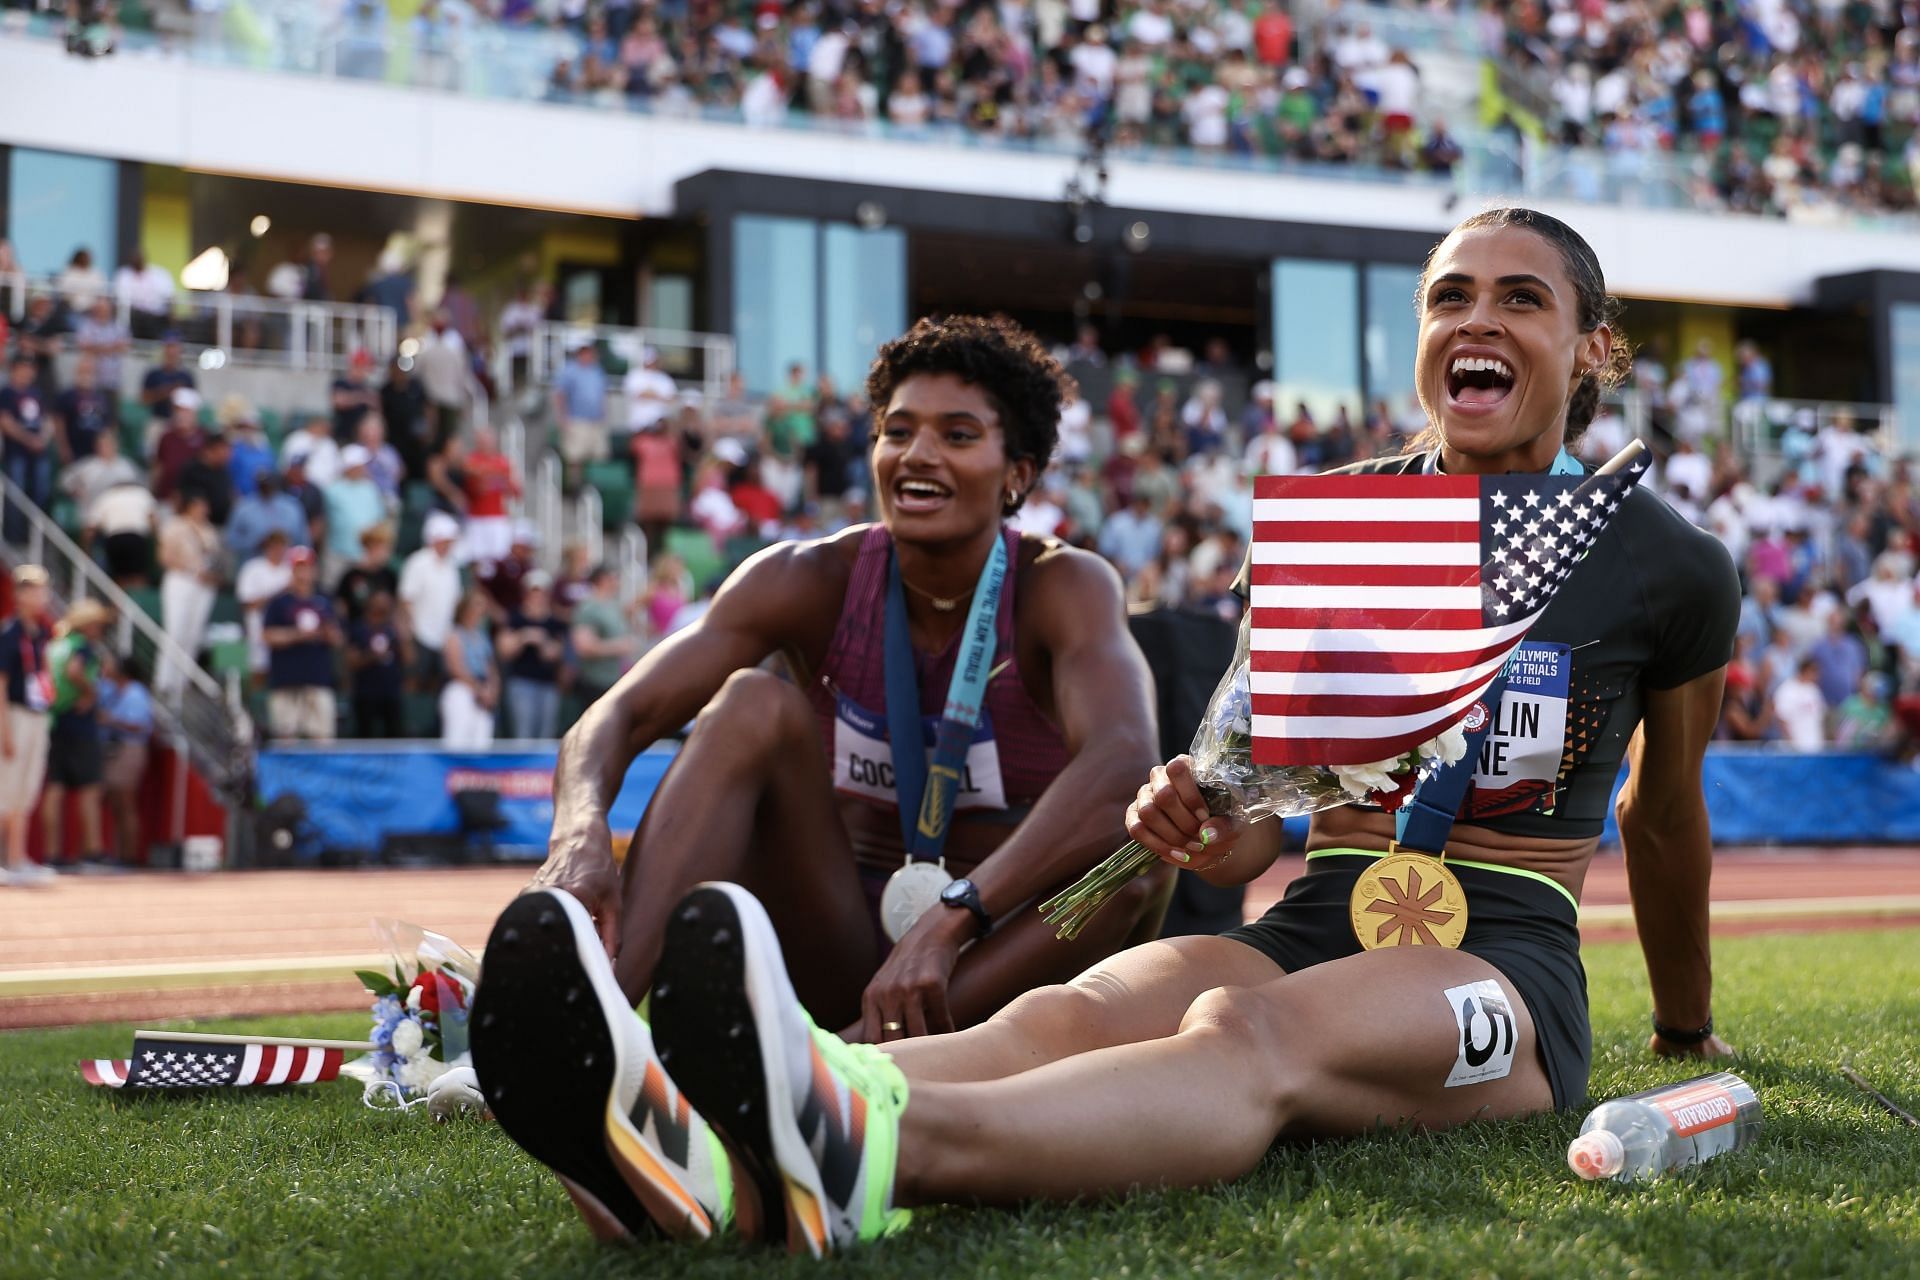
1648 1134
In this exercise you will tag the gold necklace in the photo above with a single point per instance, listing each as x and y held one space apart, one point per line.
941 604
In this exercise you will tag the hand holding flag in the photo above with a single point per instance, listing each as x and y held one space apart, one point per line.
1382 608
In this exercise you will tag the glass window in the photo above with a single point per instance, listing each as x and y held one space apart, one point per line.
1393 332
866 298
1316 338
1906 375
776 290
57 203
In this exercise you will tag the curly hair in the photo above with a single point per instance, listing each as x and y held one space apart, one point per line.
1022 381
1593 305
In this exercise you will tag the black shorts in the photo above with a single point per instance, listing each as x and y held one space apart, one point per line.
75 756
1525 926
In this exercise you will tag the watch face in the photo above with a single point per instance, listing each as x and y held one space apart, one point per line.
957 891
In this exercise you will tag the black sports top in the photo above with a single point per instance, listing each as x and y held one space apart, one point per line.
1653 605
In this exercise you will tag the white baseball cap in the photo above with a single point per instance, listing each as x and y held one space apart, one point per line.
440 527
354 455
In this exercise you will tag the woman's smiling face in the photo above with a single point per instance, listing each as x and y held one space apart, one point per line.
1501 348
940 464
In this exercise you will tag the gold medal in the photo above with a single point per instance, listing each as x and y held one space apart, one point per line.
1408 899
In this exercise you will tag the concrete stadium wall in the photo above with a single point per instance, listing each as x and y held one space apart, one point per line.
355 134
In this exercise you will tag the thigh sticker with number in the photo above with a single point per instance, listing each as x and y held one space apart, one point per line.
1487 1033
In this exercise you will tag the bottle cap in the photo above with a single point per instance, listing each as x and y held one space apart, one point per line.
1596 1153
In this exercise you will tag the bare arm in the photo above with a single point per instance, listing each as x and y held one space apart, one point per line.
1669 850
749 619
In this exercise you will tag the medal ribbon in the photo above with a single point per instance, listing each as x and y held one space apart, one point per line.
926 790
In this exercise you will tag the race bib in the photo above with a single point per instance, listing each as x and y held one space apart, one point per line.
39 691
863 760
1520 759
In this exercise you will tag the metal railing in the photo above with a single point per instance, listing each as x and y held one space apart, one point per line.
632 561
705 360
239 328
189 704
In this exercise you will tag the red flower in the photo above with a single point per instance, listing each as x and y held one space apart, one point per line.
432 987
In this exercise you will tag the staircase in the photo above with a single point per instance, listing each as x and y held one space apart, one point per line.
195 714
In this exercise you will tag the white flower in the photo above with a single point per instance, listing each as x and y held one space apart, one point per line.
1448 747
413 998
407 1038
418 1073
1362 780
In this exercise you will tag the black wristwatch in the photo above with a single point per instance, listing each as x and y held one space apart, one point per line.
964 894
1676 1036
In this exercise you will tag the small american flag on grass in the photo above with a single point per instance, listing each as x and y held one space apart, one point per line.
1384 605
185 1060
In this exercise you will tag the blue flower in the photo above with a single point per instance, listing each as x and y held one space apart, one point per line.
386 1009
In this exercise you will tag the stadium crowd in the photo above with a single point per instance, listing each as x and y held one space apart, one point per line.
1799 108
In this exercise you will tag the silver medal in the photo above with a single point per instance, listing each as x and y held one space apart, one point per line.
910 893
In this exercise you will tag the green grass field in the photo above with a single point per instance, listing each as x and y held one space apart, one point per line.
306 1182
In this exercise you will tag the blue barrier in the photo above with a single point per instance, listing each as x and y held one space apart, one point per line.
357 794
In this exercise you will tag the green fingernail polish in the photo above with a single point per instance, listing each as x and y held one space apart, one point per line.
1206 835
1182 855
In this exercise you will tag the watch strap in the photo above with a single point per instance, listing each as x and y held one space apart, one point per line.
1679 1036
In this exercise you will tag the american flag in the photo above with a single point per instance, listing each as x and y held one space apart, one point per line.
167 1060
1384 605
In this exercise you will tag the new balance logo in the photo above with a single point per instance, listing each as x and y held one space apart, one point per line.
836 1150
672 1117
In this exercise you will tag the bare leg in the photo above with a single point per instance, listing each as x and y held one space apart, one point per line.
126 825
16 823
88 801
1335 1049
1140 994
750 799
53 807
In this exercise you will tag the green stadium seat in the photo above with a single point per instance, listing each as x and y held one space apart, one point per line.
417 497
148 598
226 608
229 657
696 550
614 480
740 546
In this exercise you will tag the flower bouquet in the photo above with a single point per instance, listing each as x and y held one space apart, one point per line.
1234 786
419 1014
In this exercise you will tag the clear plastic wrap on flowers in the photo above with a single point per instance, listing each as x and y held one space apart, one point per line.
1236 787
419 1013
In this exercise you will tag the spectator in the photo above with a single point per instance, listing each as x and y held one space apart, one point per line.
472 690
650 392
315 277
1131 536
74 748
209 476
123 517
94 474
146 290
580 408
354 396
262 577
391 285
271 509
314 443
24 721
488 484
575 582
190 561
656 470
736 415
384 467
251 452
158 386
301 633
81 412
443 369
354 505
100 334
603 634
1840 659
790 429
531 645
126 725
504 579
1754 373
429 592
1801 709
26 442
369 575
403 404
519 321
177 443
1864 721
379 657
82 284
41 337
